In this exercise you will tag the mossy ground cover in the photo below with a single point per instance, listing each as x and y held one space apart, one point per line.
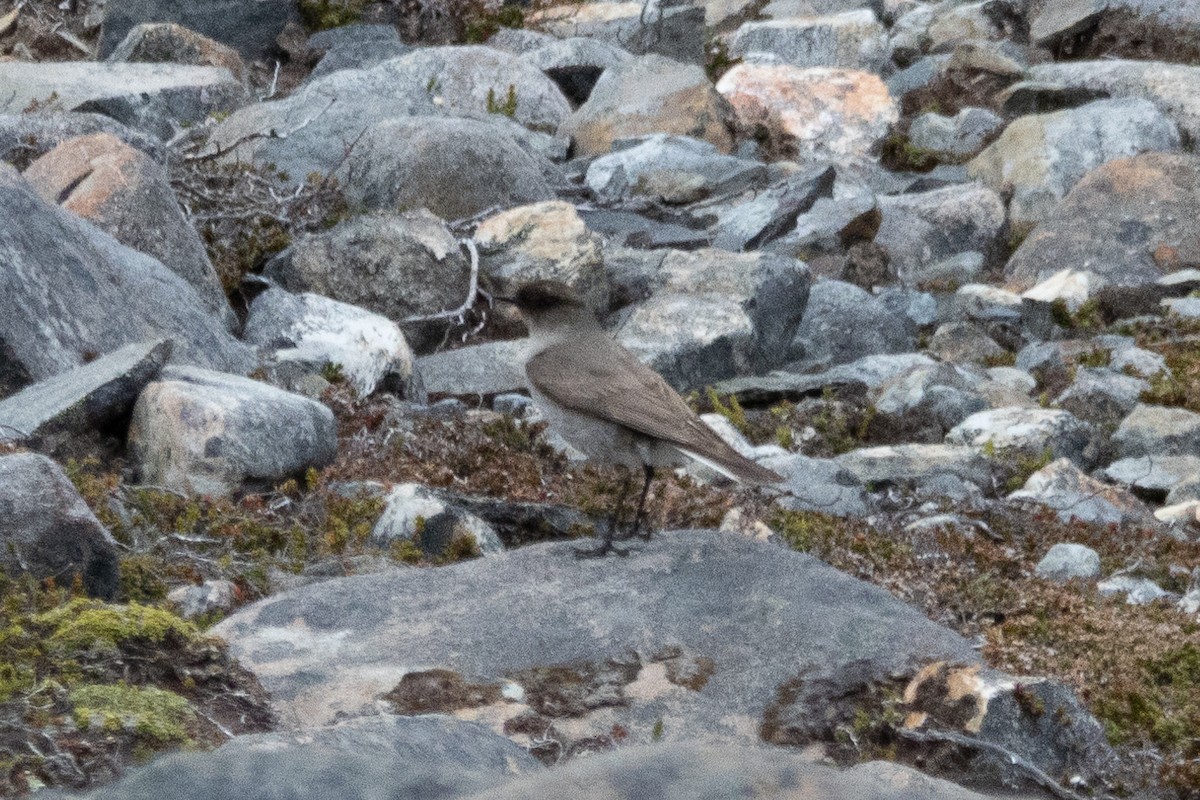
86 686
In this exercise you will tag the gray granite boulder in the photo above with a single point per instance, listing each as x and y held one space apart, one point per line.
48 531
453 166
543 241
673 29
645 96
93 396
1101 396
314 334
1171 87
931 399
1065 561
128 195
843 323
209 433
432 522
817 484
1154 431
1063 487
907 463
1137 591
72 292
957 137
152 98
355 47
376 758
325 117
715 314
1153 474
853 39
575 63
1129 221
1040 157
775 212
1029 432
361 636
925 228
397 265
673 169
482 369
683 771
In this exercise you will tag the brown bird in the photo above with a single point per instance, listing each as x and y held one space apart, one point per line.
611 406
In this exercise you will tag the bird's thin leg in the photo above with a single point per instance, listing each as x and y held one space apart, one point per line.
636 530
609 529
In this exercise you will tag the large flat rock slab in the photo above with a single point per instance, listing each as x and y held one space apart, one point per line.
691 637
69 84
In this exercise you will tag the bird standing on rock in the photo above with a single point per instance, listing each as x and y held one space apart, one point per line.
611 406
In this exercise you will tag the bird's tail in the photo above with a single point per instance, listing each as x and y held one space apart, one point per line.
733 464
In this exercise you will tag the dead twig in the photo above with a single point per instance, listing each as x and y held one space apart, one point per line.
1031 770
457 314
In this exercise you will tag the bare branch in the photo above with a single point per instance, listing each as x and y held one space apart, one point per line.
1031 770
274 82
457 314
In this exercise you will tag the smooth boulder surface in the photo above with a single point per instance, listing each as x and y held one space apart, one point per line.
768 614
377 758
71 292
682 771
48 531
207 432
713 315
921 230
852 39
1171 87
673 169
326 116
843 323
482 369
455 167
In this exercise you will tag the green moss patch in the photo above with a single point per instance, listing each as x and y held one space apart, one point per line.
155 715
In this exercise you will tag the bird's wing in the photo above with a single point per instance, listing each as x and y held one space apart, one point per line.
596 376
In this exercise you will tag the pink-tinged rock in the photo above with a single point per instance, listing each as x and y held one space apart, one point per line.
818 111
128 195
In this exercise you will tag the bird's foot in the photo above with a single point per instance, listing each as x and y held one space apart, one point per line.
606 532
636 532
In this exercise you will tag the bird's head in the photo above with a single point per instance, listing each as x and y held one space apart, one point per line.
547 305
